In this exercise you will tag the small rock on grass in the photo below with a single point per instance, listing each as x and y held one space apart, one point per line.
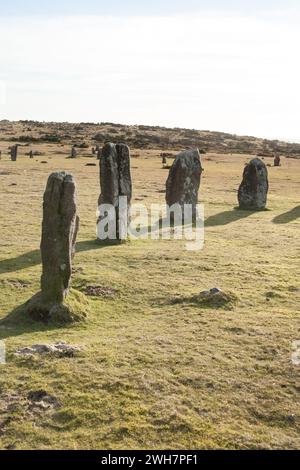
61 349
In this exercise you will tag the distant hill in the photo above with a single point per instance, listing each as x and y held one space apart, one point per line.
138 136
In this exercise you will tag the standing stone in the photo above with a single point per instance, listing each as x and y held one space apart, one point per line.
184 179
59 231
14 153
74 152
115 179
164 159
31 154
253 191
277 160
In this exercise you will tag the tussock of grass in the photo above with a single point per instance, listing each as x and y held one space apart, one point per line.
225 300
74 309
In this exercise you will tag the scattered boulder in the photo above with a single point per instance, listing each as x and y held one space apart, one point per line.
183 183
253 191
60 349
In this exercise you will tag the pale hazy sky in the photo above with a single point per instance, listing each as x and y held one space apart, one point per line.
228 66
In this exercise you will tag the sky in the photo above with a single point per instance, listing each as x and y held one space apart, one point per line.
227 66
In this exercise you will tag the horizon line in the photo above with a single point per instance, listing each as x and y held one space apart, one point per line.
160 126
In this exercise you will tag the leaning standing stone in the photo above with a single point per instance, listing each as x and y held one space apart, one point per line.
59 232
184 179
253 191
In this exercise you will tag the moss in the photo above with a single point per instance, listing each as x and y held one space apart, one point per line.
74 309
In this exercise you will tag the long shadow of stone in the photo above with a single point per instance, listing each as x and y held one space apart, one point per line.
227 217
287 216
33 258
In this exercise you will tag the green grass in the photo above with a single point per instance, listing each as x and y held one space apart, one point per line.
154 373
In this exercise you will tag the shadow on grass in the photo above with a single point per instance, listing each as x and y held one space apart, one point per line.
227 217
14 324
33 258
163 223
287 216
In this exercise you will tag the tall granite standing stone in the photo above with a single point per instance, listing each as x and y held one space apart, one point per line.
253 191
184 179
59 232
115 179
14 153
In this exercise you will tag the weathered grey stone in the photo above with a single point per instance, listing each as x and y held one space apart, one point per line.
115 178
59 231
184 179
125 183
61 349
164 159
277 160
74 152
14 153
253 191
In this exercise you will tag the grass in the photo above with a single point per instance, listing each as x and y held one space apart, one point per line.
154 373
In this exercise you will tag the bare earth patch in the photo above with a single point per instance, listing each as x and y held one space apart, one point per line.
100 291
